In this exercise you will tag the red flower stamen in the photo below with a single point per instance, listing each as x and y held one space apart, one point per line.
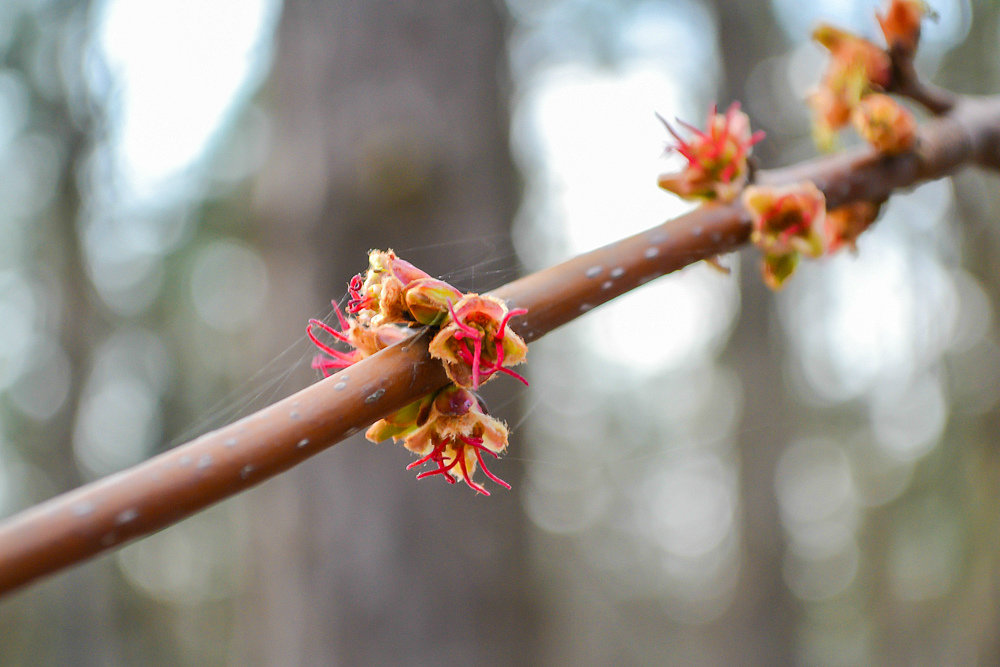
465 328
476 357
464 352
344 324
339 359
478 448
515 375
467 477
506 318
326 364
467 331
441 470
358 301
435 455
339 335
498 366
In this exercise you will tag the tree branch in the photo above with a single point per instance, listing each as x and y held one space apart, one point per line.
150 496
907 82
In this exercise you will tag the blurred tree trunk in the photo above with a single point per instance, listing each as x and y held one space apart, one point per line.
77 606
389 129
764 608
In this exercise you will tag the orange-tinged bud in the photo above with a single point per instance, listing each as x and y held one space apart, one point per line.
844 224
830 112
901 24
848 51
885 124
369 340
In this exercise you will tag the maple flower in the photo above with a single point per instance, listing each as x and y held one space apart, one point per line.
449 430
717 158
856 68
362 341
475 342
786 223
844 224
901 24
885 124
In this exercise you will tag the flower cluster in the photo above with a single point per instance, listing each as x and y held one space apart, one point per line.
449 430
717 158
792 221
857 67
474 342
787 223
858 70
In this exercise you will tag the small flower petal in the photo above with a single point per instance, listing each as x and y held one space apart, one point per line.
776 269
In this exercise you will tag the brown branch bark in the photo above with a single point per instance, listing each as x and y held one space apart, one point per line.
146 498
907 82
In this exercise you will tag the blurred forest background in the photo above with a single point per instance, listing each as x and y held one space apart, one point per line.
704 472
